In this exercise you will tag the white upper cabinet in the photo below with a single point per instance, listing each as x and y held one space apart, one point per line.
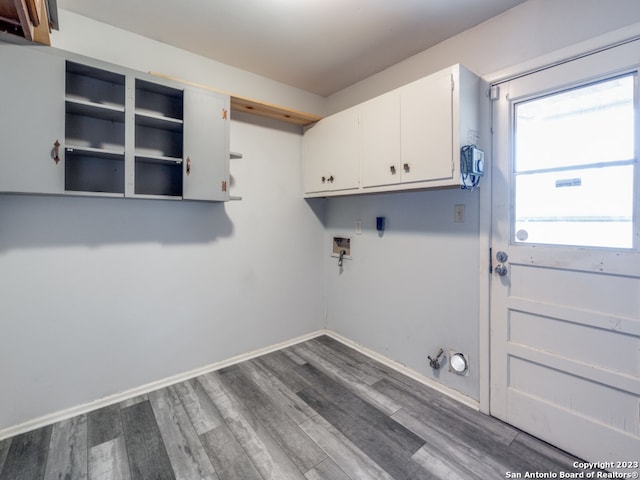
331 153
409 138
31 121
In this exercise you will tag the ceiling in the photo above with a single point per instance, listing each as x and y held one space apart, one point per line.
320 46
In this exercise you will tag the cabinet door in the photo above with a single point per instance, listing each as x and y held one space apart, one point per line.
31 120
380 140
206 146
315 146
426 118
331 153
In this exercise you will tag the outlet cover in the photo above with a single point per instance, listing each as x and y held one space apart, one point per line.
341 244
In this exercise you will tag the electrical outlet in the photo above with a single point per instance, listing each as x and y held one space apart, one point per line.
358 227
458 214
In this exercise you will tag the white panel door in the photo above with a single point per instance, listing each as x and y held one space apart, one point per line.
565 288
31 120
206 146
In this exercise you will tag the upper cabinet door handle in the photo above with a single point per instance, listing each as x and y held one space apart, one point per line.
188 166
56 152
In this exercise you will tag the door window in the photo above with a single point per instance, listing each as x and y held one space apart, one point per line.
574 167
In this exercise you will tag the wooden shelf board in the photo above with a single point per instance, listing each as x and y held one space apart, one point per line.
30 16
256 107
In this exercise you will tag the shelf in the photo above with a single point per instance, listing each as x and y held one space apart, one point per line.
95 73
95 152
157 159
269 110
158 178
255 107
157 103
156 197
93 171
94 194
154 120
96 110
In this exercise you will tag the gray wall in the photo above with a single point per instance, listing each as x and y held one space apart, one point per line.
412 289
423 285
99 296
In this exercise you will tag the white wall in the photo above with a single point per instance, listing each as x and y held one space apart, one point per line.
99 296
423 285
530 31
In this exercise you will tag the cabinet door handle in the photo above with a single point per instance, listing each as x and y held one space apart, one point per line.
56 152
331 179
324 179
393 169
188 166
406 167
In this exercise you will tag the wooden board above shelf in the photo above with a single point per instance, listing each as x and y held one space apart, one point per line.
256 107
26 18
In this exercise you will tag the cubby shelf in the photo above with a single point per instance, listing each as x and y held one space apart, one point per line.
94 152
154 120
76 106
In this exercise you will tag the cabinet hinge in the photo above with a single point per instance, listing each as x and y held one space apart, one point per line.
453 83
224 185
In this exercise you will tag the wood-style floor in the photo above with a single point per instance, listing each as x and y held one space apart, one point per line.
313 411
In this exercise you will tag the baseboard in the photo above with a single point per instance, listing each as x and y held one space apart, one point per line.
454 394
56 417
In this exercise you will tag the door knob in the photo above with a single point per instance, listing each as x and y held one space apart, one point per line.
502 256
501 270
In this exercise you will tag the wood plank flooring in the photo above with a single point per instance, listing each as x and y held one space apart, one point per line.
314 411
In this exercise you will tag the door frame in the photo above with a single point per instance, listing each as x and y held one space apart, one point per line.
564 55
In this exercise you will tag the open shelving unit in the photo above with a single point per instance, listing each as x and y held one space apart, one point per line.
159 132
94 130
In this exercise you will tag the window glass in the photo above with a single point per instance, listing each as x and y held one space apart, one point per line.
574 166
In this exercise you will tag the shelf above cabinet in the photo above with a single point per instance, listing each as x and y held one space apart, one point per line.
255 107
